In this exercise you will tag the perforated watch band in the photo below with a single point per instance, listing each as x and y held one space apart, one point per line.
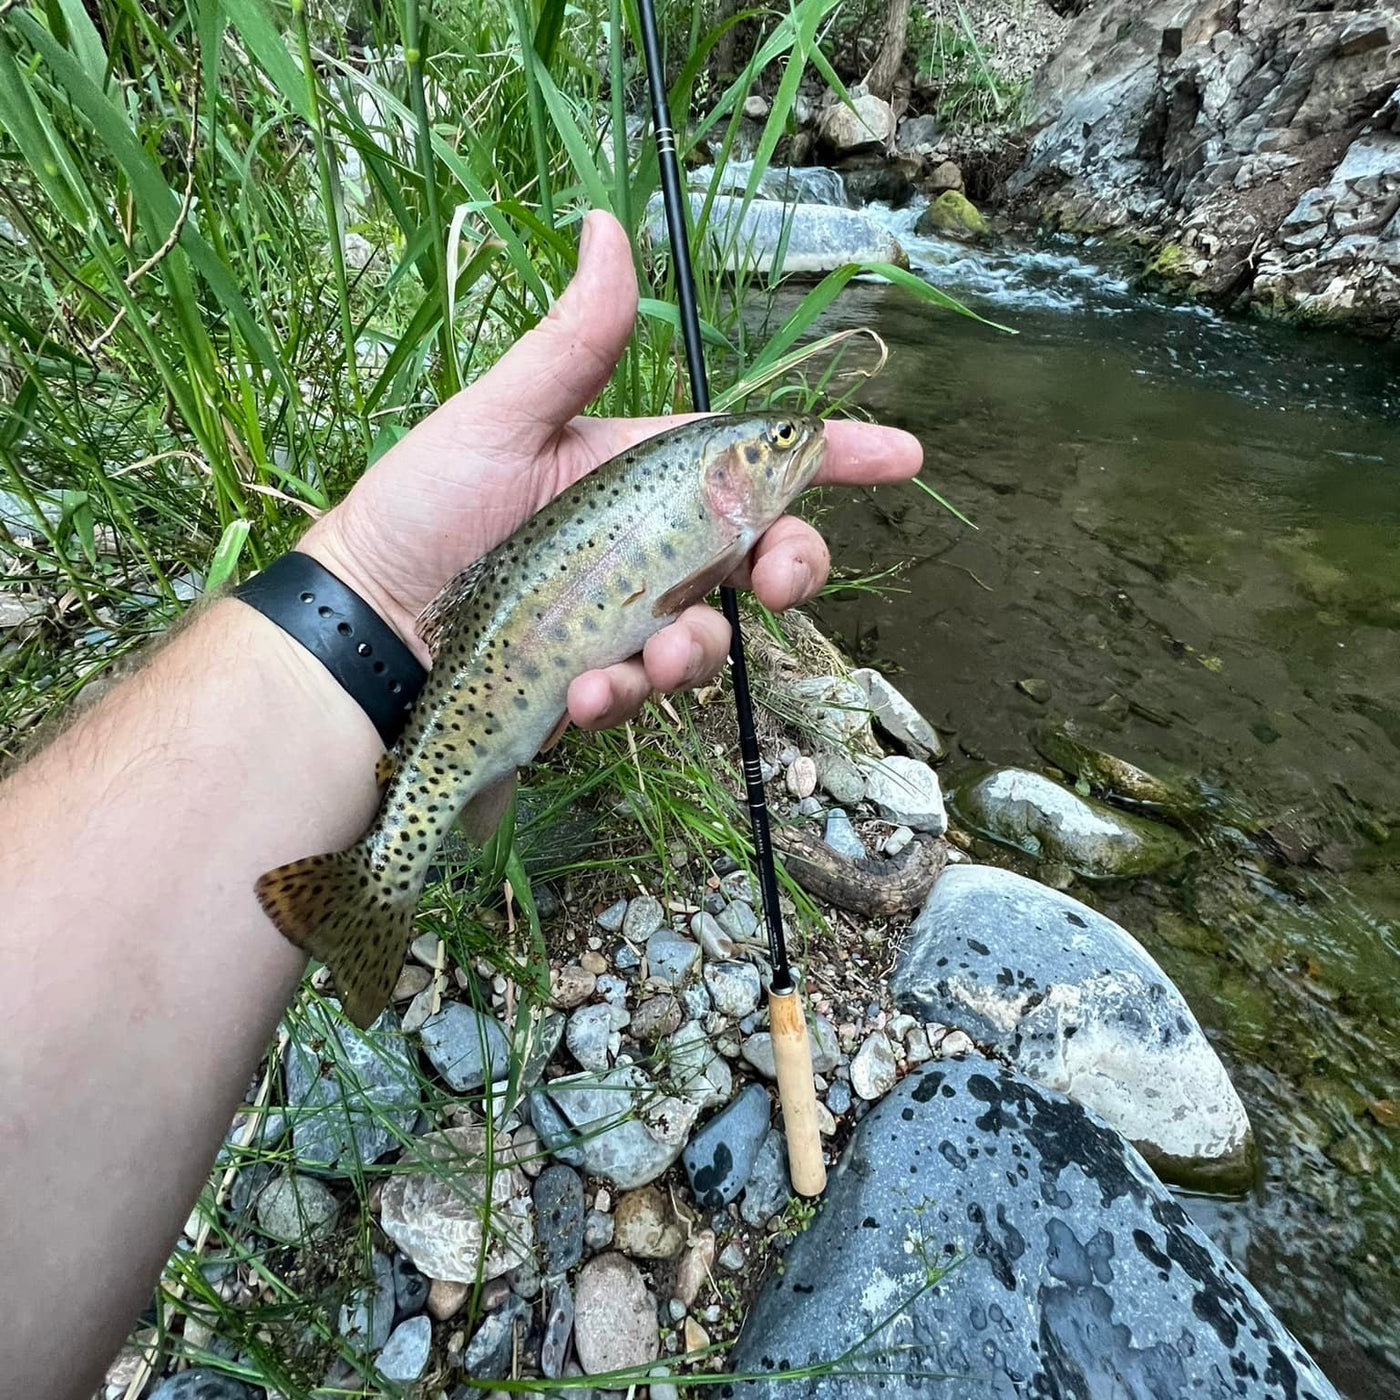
344 633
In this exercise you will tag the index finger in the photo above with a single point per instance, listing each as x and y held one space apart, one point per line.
857 454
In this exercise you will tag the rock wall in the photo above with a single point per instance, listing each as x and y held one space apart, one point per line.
1255 143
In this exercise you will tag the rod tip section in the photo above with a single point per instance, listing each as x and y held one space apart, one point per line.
792 1058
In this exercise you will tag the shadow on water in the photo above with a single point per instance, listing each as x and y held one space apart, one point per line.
1188 529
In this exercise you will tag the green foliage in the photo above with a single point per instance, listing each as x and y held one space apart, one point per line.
946 55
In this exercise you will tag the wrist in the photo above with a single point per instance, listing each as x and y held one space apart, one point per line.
331 543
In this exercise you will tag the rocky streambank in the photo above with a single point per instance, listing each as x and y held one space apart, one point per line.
594 1191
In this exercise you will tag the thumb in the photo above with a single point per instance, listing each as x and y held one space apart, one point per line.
553 371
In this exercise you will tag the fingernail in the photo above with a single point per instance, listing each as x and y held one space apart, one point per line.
695 667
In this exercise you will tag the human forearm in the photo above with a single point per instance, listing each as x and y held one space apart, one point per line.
128 852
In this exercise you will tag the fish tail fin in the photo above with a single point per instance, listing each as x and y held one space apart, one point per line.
338 909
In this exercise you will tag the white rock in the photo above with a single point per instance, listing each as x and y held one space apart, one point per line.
873 1069
615 1323
801 777
869 121
734 988
906 791
898 717
587 1035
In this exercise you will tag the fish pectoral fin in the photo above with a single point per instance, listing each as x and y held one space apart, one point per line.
435 619
706 578
556 733
482 815
337 908
385 766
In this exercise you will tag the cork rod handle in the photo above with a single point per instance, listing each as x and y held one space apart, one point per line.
792 1056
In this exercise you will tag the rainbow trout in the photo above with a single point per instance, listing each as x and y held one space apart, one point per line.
580 585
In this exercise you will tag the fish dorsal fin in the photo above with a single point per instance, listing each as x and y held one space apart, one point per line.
459 590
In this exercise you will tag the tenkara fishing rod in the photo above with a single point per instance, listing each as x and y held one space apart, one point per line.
792 1055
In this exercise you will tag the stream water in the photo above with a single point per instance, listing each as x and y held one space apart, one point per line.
1187 529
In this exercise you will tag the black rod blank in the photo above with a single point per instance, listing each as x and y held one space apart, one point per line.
674 199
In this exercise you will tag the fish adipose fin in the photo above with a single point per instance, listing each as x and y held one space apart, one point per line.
335 908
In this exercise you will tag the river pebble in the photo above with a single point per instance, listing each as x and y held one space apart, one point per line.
838 1097
610 920
671 958
367 1315
698 1069
739 921
615 1324
581 1119
656 1017
767 1190
644 916
897 840
841 836
714 941
874 1068
203 1383
463 1045
839 775
906 791
491 1351
587 1036
826 1045
446 1298
734 988
558 1329
297 1210
837 706
598 1230
720 1157
801 778
362 1103
758 1052
558 1197
410 1288
693 1271
405 1355
572 986
645 1226
435 1216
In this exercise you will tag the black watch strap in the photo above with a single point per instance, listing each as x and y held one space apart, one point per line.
342 631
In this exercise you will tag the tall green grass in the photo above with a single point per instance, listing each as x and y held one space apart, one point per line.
244 246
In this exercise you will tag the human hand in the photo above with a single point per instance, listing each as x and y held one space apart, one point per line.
479 466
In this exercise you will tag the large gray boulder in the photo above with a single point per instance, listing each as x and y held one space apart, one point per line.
771 236
1035 814
1076 1003
1259 141
1078 1276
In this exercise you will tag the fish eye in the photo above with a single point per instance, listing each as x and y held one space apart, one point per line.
782 434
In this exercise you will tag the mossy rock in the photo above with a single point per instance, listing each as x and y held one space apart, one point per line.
1171 267
953 215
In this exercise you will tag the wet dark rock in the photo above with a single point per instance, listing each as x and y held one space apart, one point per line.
559 1211
1078 1005
721 1156
1080 1275
352 1094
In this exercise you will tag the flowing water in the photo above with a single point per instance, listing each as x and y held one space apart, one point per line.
1187 529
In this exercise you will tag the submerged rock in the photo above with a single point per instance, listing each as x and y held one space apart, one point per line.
1036 815
1078 1005
435 1214
772 237
352 1095
1079 1274
1064 746
618 1125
